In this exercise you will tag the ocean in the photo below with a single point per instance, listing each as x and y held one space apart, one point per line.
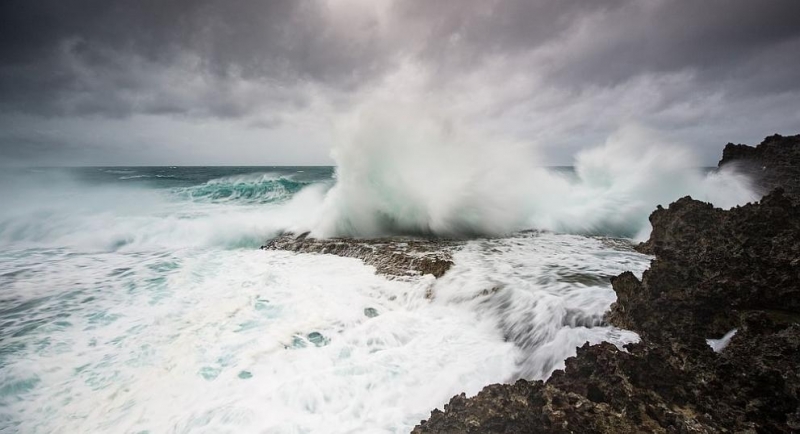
137 300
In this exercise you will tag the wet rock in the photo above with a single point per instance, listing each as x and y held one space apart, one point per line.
390 256
601 390
711 267
773 163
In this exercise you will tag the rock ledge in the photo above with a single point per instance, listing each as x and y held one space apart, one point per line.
394 257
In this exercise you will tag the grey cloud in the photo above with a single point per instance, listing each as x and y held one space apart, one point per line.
570 68
278 44
612 40
111 57
714 39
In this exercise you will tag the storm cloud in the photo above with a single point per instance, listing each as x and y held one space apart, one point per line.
216 82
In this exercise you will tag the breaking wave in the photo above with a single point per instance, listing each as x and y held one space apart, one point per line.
402 172
246 189
57 209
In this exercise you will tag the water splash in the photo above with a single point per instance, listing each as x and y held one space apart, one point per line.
404 170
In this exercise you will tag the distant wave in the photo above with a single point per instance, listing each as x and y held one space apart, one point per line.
60 209
247 189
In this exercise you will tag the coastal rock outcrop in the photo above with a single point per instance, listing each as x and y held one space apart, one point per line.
394 257
674 387
773 163
715 273
713 266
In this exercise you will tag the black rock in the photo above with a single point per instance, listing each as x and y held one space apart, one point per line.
773 163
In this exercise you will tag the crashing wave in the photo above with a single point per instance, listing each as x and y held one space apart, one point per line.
401 171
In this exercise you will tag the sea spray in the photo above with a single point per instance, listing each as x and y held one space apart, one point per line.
405 170
400 171
618 184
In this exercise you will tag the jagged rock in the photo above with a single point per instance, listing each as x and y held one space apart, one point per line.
713 271
673 387
390 256
774 163
713 265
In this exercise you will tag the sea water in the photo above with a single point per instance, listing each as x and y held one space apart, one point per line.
136 300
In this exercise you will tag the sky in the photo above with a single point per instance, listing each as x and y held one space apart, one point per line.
253 82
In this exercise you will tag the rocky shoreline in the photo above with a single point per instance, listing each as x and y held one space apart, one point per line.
729 275
723 279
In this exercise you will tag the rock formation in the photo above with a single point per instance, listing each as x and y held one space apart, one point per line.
712 266
391 256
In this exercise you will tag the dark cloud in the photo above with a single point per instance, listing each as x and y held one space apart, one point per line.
117 57
607 42
90 55
573 68
716 40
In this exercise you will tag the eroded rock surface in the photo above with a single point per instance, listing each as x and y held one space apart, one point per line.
670 387
712 266
713 271
390 256
773 163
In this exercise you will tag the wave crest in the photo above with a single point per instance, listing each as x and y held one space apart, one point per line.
252 188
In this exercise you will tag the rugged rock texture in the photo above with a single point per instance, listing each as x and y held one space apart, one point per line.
714 271
390 256
712 266
774 163
674 387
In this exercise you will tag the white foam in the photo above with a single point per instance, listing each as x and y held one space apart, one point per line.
157 341
135 357
719 344
66 213
546 292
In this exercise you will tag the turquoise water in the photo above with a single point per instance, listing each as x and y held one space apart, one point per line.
82 246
